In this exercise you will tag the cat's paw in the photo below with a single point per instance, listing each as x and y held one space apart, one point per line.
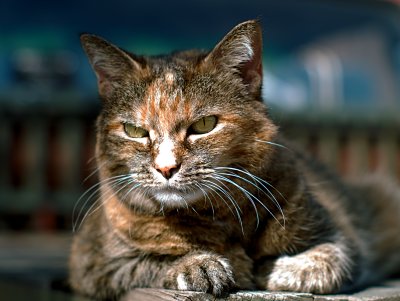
201 272
305 273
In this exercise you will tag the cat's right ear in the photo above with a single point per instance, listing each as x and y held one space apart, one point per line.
240 51
109 62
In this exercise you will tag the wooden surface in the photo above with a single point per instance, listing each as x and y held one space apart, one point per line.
167 295
389 291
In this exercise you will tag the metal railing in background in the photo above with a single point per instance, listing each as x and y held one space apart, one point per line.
353 144
45 158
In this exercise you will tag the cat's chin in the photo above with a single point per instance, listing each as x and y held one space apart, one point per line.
175 198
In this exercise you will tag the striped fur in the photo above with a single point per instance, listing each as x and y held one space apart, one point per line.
234 207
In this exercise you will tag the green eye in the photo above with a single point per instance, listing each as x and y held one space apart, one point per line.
204 125
135 131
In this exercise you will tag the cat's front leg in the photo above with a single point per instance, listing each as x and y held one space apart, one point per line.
322 269
201 271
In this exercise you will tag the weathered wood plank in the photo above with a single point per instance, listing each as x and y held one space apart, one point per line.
388 291
148 294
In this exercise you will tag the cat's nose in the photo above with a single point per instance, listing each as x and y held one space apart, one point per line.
168 171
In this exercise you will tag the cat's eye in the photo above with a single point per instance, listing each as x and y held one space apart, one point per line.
204 125
135 131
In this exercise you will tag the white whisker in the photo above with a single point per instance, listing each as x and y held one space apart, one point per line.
206 197
235 205
269 195
249 195
264 185
89 213
254 206
94 171
272 143
94 189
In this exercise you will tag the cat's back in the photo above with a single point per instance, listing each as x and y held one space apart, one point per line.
366 209
379 196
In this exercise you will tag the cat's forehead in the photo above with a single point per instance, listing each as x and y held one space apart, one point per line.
164 104
164 87
169 78
167 72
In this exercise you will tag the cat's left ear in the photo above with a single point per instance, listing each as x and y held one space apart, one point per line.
241 51
110 63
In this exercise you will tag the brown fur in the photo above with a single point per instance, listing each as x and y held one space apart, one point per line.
239 210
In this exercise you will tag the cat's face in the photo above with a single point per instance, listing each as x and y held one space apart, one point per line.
170 125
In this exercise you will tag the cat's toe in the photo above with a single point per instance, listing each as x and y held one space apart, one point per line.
202 272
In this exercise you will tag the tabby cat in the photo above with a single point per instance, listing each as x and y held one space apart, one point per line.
199 192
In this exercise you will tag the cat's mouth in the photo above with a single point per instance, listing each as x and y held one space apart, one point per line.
173 197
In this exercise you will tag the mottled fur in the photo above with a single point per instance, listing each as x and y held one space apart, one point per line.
228 209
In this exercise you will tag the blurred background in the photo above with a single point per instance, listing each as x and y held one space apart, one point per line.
332 81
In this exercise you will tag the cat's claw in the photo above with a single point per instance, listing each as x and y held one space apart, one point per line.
201 272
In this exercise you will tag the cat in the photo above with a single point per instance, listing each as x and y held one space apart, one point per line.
199 190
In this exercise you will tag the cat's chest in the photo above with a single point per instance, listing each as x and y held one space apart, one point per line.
167 235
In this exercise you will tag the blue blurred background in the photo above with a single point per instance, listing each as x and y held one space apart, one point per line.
331 80
318 53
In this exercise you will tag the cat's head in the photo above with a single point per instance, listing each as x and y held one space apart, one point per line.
172 126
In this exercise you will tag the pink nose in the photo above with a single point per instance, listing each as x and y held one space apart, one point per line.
168 171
